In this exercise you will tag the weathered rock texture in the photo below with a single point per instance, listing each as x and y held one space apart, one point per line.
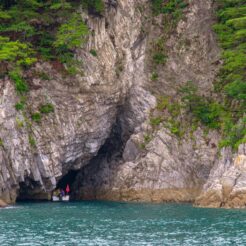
226 186
101 118
192 50
170 169
85 106
2 204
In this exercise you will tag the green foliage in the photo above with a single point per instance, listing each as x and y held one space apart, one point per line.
172 11
237 23
174 109
61 5
1 143
234 134
95 6
20 84
53 28
32 141
46 108
156 121
172 7
32 4
226 113
36 117
175 127
15 52
22 27
147 139
236 89
159 58
71 34
19 106
240 35
19 122
215 116
45 46
162 102
93 52
157 6
154 76
4 15
231 31
207 112
225 14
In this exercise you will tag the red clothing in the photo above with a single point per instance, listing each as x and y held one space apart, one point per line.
67 189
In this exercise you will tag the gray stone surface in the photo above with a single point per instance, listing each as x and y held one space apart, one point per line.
86 106
101 118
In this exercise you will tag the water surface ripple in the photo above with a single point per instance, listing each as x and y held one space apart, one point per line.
112 224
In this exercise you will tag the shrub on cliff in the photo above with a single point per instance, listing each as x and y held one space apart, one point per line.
52 27
94 6
46 108
71 34
207 111
173 7
20 84
16 52
231 36
231 82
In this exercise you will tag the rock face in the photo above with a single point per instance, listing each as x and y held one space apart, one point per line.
101 118
192 50
2 204
169 169
33 156
226 185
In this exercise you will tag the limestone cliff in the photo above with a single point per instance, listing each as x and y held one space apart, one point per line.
86 106
225 186
102 117
169 169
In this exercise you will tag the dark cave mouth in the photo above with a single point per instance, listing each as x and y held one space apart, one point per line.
31 190
67 179
111 149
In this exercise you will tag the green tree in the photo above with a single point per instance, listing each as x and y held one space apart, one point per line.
72 34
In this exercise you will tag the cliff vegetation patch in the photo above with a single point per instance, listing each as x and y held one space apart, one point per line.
41 30
225 110
231 83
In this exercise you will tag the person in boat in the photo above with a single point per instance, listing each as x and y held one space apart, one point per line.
62 193
67 189
56 192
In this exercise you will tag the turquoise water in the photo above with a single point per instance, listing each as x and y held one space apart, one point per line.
105 223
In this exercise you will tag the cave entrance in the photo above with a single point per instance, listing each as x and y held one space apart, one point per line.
30 190
67 179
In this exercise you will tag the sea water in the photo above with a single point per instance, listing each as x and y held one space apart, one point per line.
108 223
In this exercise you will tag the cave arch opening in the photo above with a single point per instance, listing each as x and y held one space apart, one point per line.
110 152
67 179
30 190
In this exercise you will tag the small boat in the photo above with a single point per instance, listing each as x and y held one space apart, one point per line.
65 198
61 199
55 198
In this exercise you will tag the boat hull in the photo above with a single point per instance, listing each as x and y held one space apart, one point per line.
61 199
65 198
